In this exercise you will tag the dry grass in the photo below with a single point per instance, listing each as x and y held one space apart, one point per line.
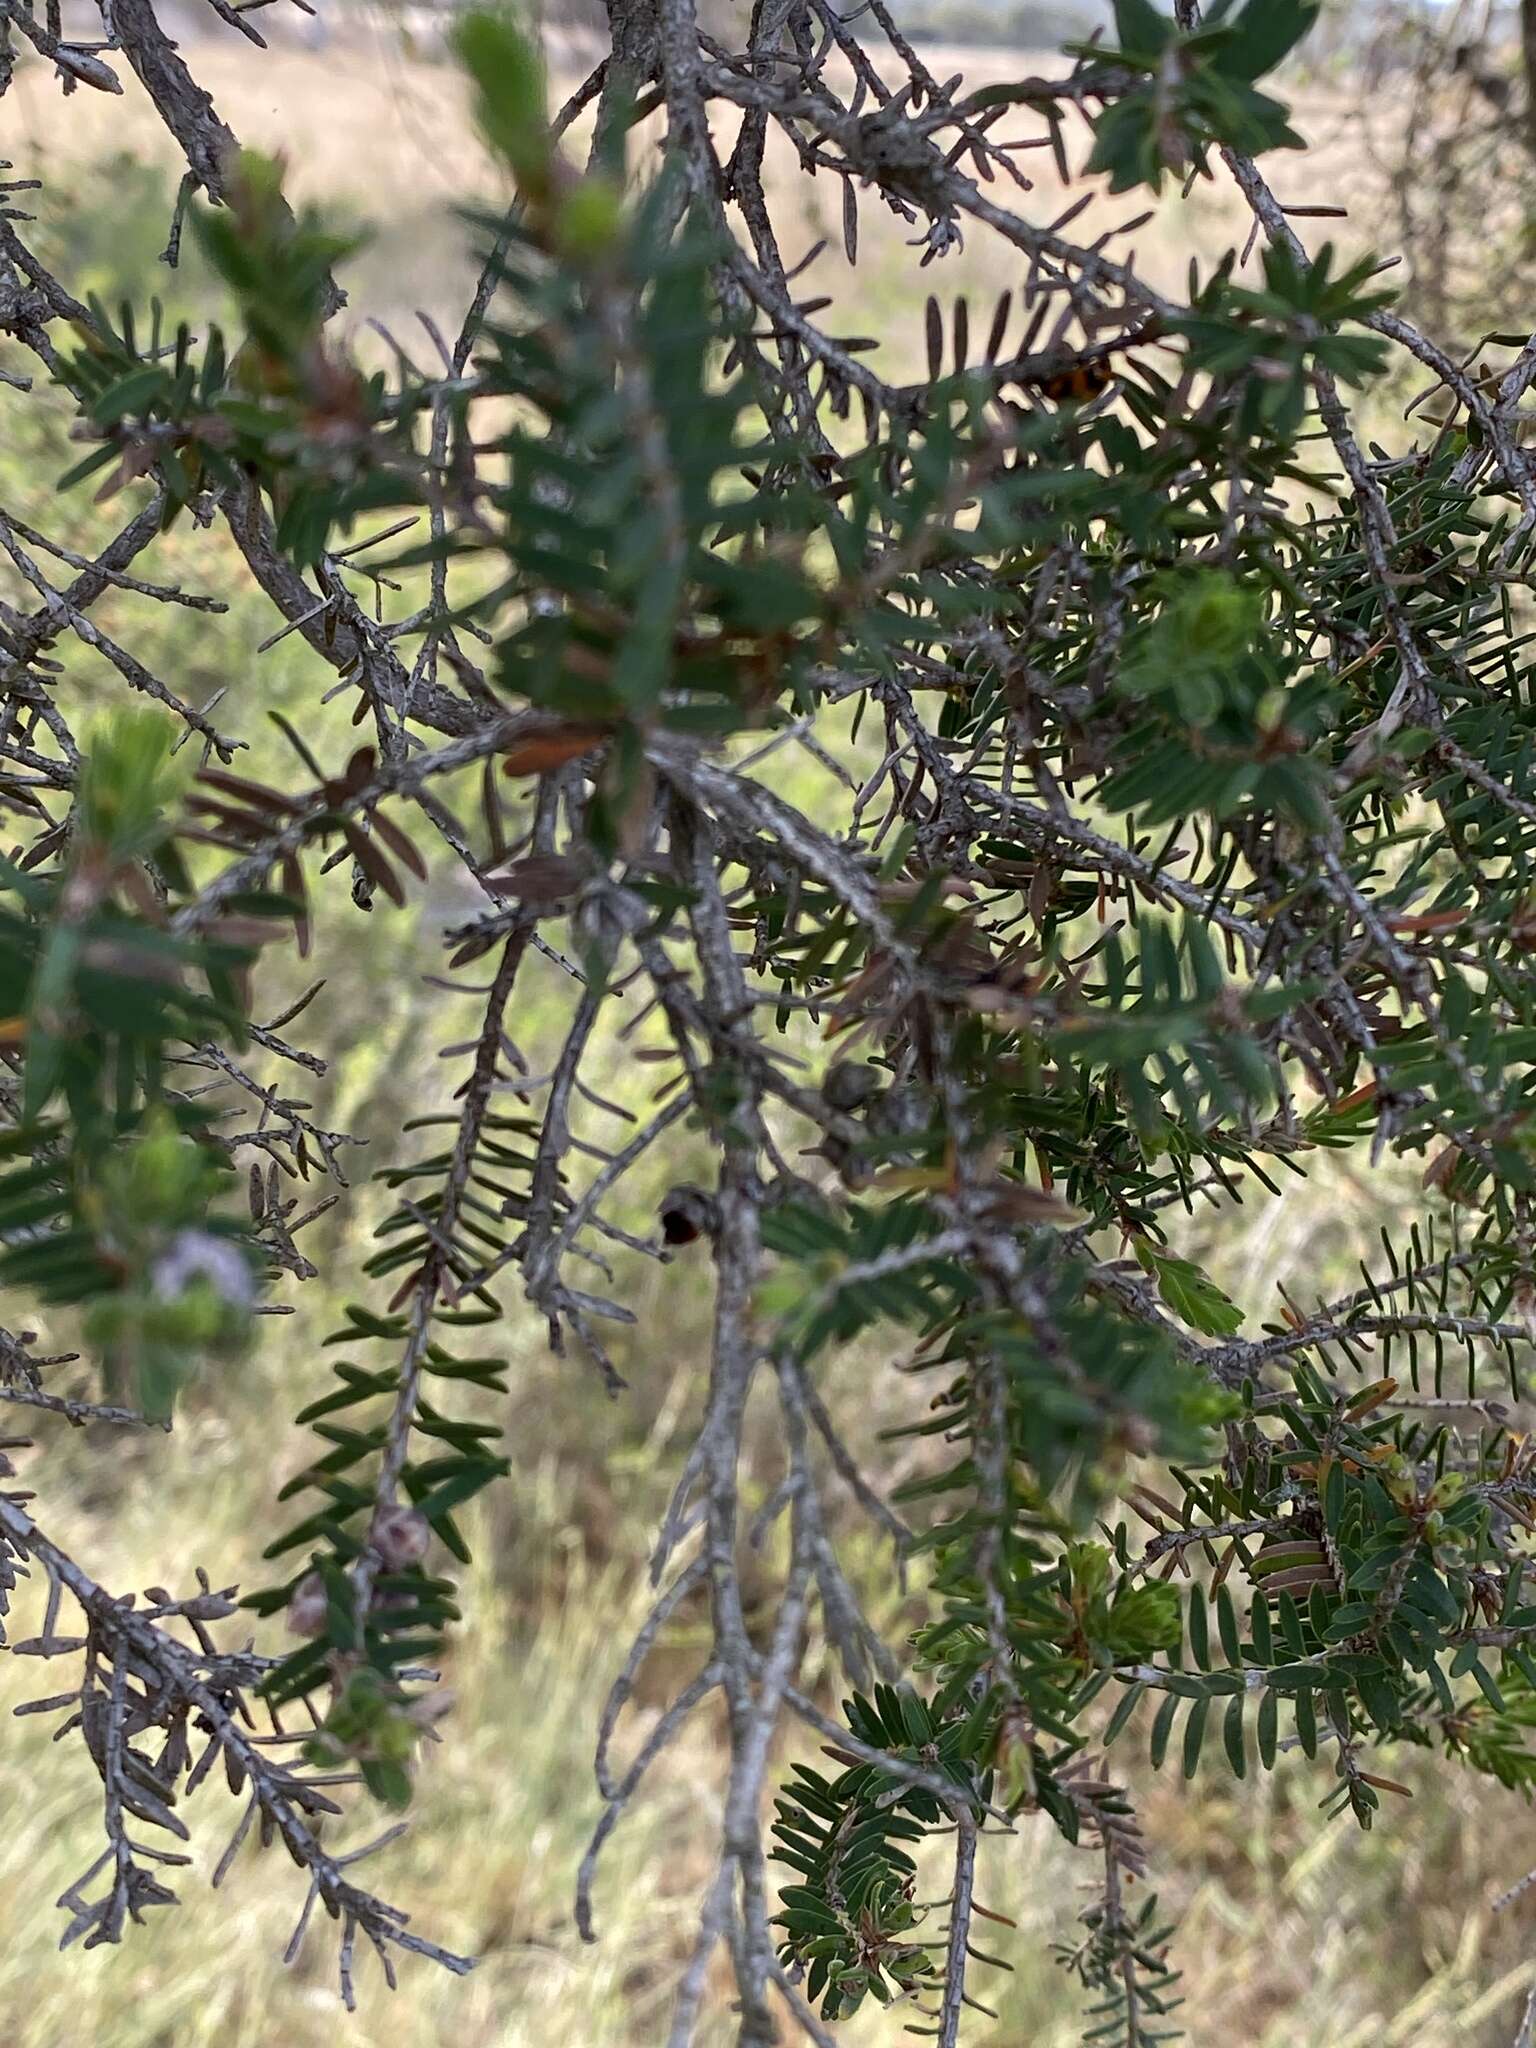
386 136
1290 1936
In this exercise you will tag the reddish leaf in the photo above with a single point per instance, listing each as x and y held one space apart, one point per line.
543 751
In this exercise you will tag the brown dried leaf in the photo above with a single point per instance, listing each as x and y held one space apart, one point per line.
543 878
542 752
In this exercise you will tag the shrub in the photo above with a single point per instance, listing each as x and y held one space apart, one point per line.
1005 809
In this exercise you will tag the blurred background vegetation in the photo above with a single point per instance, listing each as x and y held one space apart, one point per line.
1294 1936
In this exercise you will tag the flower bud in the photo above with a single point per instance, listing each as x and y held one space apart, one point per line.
688 1213
589 218
849 1084
1013 1761
194 1255
308 1606
401 1536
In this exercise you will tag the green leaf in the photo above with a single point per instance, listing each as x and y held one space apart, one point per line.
1232 1736
1226 1622
1189 1292
1194 1735
1199 1631
1267 1728
390 1783
1162 1729
1262 35
1306 1722
1124 1708
1141 30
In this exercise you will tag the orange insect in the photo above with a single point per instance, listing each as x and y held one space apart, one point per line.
1078 382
